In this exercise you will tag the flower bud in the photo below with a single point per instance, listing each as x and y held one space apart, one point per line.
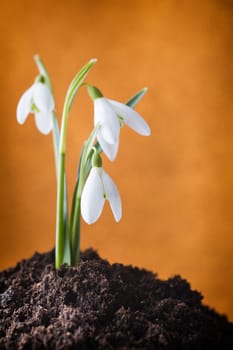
96 159
40 79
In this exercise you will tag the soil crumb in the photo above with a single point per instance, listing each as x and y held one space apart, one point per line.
99 305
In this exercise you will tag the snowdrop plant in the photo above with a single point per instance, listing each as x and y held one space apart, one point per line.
93 185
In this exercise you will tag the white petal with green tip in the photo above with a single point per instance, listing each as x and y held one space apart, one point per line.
44 122
106 116
112 195
43 98
109 150
92 200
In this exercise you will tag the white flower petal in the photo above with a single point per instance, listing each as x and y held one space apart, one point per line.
110 132
112 195
106 116
108 149
131 118
43 98
92 200
44 122
24 106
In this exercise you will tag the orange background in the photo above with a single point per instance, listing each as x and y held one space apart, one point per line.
176 186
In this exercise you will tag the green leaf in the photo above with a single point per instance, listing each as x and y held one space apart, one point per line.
77 82
70 95
133 101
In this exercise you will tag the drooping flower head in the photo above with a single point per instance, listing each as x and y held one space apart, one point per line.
39 101
111 115
98 188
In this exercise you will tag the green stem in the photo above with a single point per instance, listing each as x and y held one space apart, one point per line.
75 210
56 132
56 137
43 71
75 252
56 140
60 237
72 213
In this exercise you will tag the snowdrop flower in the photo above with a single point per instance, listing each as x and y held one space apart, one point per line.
111 115
98 188
38 100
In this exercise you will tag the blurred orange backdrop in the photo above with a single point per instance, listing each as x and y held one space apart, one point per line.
176 186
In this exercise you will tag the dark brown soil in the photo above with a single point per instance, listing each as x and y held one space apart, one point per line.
102 306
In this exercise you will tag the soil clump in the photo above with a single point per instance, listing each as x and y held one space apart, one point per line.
99 305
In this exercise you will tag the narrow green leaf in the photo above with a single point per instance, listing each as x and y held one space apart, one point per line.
56 140
77 82
70 95
133 101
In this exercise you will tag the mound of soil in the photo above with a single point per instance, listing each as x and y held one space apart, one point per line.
102 306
